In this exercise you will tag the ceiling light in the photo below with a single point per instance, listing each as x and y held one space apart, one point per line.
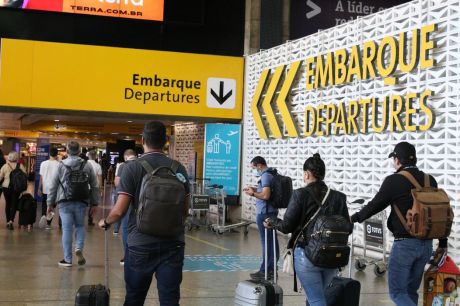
129 121
56 120
114 133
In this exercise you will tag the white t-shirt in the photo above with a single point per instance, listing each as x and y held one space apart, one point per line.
48 169
96 168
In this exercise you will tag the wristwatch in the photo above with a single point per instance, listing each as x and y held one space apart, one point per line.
106 225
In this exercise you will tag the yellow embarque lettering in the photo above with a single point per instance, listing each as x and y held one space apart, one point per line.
341 60
369 53
354 68
324 71
414 51
309 73
430 117
373 59
426 45
387 43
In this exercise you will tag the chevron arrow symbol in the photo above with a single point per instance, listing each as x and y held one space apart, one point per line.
254 104
281 101
272 123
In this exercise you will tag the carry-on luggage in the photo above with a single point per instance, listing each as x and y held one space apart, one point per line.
261 292
97 295
344 291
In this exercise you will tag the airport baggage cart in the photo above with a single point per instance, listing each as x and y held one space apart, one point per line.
199 204
374 232
217 197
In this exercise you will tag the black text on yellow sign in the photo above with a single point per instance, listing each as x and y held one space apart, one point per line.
161 89
371 114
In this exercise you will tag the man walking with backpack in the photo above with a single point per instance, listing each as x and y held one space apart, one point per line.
264 209
73 188
157 189
409 254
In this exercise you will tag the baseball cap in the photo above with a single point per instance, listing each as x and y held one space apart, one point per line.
404 150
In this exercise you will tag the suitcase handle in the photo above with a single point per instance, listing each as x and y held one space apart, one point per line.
274 255
106 242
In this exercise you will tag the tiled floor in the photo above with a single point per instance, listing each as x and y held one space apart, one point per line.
30 274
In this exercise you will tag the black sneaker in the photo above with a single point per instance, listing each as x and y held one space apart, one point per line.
64 263
81 259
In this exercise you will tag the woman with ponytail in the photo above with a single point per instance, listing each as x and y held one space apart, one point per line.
302 207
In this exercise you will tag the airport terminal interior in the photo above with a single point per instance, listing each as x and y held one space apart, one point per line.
230 80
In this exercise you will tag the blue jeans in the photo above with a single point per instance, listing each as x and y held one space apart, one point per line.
165 259
260 224
313 279
73 216
405 269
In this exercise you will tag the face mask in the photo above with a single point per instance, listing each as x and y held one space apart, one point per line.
257 172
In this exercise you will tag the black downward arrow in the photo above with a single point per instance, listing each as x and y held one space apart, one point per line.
221 98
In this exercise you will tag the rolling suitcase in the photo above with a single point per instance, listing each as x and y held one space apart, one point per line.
260 292
344 291
96 295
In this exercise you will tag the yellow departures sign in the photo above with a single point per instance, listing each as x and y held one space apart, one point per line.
367 61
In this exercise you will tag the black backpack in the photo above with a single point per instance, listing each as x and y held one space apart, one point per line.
281 190
18 179
326 238
76 183
160 211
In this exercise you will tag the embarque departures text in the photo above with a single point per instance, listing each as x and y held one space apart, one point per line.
162 89
371 60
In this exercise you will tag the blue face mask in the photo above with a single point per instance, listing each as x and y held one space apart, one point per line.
257 172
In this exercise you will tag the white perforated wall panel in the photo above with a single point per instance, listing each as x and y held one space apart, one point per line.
186 133
357 164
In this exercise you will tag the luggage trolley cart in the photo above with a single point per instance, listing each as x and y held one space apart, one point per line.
374 240
199 203
217 196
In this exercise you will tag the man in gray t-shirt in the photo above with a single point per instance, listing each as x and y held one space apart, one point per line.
147 254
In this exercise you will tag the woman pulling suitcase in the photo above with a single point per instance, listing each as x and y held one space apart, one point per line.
306 204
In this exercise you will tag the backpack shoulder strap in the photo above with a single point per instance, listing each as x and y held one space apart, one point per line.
411 179
146 165
18 166
175 166
427 180
401 218
82 165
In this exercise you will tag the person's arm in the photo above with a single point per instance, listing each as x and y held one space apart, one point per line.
95 195
381 201
292 216
127 190
54 185
117 212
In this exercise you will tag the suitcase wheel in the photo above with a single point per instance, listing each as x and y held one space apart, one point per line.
380 268
360 264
